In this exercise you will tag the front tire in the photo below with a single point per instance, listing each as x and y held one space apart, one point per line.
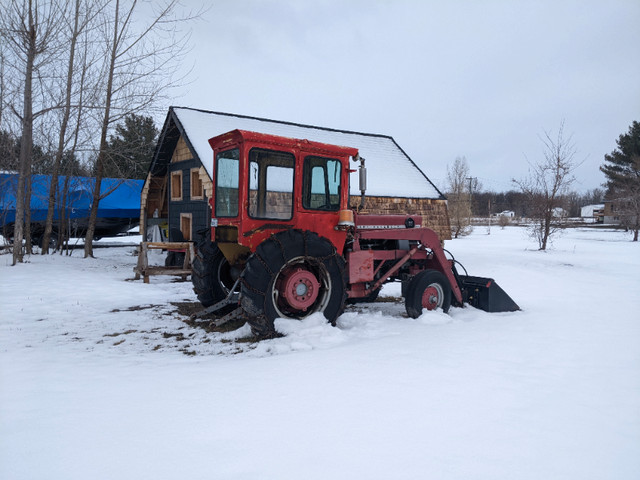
211 274
53 241
174 259
429 290
293 274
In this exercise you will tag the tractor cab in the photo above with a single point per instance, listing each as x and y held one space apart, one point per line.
264 184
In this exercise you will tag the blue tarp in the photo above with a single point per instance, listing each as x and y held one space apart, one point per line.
122 202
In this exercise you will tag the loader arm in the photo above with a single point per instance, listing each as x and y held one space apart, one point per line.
427 239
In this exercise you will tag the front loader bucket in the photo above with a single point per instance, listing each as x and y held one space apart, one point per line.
485 294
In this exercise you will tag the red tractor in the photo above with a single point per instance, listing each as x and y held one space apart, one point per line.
284 242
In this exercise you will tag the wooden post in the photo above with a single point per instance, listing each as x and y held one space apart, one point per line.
145 261
138 268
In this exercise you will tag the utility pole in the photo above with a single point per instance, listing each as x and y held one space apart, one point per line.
471 179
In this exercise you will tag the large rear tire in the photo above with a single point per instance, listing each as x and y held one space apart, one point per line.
211 274
429 290
293 274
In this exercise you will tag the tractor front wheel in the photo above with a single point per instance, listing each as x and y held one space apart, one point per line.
293 274
427 290
211 274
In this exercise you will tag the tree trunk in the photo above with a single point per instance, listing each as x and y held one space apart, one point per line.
93 216
63 238
53 188
28 241
25 146
88 241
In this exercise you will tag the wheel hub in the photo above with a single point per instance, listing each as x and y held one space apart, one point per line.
431 298
299 287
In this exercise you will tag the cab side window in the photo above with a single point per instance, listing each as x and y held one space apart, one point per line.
321 183
271 176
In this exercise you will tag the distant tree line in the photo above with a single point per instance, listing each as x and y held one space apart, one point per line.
489 202
129 152
43 159
544 197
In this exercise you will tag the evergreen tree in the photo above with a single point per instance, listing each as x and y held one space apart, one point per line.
9 152
130 150
622 169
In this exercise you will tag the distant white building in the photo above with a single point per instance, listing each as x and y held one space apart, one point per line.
559 212
592 213
506 213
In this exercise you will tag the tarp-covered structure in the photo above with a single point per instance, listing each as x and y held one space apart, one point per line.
118 210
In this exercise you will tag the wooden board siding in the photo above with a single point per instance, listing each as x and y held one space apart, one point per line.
181 152
198 207
207 184
153 198
434 212
200 217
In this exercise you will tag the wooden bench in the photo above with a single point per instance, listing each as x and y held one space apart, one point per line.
143 269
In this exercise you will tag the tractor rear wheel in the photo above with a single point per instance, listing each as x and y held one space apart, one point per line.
428 289
211 274
293 274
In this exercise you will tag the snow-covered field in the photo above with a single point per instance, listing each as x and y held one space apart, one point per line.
100 378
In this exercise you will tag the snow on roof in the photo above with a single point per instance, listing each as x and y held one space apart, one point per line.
390 172
587 210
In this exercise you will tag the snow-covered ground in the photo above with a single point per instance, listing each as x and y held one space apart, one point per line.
100 378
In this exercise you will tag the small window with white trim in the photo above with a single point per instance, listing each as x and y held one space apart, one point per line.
176 185
196 185
185 226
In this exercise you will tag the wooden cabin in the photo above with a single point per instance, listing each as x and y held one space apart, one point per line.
176 193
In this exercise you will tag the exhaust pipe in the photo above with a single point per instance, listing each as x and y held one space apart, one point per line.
362 179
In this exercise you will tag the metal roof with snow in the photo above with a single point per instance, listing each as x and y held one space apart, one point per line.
390 171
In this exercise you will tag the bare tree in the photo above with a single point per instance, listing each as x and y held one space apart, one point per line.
459 197
140 63
3 83
547 183
29 28
83 14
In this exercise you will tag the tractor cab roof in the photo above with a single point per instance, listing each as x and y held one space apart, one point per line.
237 136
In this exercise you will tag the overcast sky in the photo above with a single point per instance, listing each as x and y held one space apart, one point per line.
479 79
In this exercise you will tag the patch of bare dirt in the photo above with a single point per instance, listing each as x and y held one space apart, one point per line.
135 308
187 309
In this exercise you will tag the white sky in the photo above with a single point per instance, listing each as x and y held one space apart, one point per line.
482 80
